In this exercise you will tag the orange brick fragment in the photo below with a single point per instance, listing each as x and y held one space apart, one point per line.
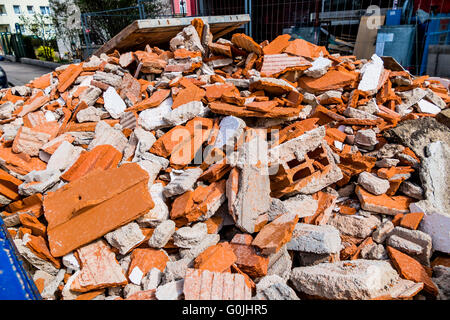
146 259
99 268
248 260
31 204
216 258
89 295
39 246
276 234
277 45
31 222
20 163
68 77
411 220
245 42
42 82
189 94
9 185
347 210
397 219
155 100
143 295
101 157
383 203
325 205
206 285
333 79
95 204
214 223
22 231
32 104
410 269
300 47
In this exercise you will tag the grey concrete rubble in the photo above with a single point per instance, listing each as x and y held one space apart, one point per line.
441 278
252 198
358 279
181 182
415 243
280 263
162 234
383 231
189 237
39 181
354 225
366 139
274 288
315 239
302 205
435 223
412 190
125 238
192 253
105 134
170 291
372 183
319 67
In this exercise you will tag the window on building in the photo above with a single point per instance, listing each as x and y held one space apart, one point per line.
45 10
2 10
30 9
16 9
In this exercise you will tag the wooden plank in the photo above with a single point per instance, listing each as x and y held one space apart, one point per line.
161 31
366 38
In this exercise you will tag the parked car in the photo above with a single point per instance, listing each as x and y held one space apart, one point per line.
3 79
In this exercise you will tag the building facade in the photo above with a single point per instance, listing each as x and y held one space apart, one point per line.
11 10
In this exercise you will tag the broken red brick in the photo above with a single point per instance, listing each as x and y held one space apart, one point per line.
411 220
99 268
217 258
276 234
248 260
101 157
31 222
410 269
206 285
146 259
94 203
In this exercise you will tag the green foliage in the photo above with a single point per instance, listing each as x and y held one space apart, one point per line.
104 26
44 52
39 25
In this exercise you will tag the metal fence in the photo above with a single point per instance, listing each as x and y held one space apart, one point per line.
332 23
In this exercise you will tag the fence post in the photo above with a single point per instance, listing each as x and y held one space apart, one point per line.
5 49
141 9
248 10
20 45
87 39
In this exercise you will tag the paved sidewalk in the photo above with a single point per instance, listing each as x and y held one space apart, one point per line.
19 73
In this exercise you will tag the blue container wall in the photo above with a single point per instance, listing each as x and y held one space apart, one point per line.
15 282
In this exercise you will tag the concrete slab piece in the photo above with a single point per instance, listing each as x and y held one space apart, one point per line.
346 280
316 239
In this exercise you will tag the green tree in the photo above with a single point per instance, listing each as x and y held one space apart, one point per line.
104 26
40 26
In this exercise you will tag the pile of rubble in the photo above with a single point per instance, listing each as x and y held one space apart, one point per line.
229 170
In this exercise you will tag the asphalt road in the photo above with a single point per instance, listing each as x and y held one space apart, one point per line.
19 73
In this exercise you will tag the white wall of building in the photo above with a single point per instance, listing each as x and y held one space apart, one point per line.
8 16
